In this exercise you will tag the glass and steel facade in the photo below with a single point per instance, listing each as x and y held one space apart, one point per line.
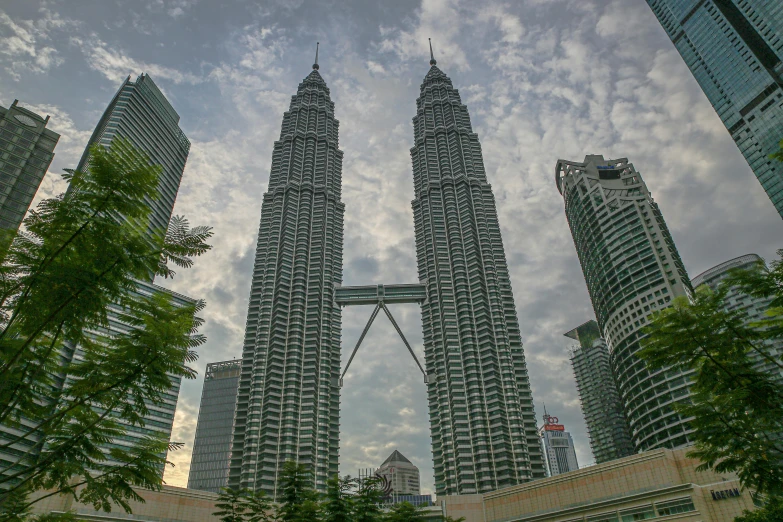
288 400
755 308
632 269
141 114
26 151
212 445
482 420
734 48
160 417
610 437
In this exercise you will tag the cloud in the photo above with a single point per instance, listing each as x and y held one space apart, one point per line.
22 43
115 63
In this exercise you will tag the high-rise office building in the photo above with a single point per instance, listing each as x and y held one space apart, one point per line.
607 428
402 475
288 400
558 447
734 48
26 151
754 307
482 420
632 269
212 445
141 114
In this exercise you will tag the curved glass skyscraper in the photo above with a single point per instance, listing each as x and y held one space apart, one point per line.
288 399
481 409
632 269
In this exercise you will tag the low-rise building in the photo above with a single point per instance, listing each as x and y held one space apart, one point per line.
656 484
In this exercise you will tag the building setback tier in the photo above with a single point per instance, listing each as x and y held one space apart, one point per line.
632 269
482 419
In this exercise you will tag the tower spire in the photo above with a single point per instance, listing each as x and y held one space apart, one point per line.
315 65
432 56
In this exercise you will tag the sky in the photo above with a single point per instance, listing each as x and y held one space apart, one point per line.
542 80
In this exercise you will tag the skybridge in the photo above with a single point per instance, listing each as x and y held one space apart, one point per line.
380 295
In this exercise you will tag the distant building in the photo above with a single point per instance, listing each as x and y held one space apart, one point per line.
607 428
734 48
632 269
212 445
402 475
26 151
755 308
558 447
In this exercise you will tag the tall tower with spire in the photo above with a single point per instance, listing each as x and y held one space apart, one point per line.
288 399
481 410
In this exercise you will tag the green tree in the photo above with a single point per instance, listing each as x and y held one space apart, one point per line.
243 505
367 501
737 409
771 512
80 256
404 512
298 500
338 502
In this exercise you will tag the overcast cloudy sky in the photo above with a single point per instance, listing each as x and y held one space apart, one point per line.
542 79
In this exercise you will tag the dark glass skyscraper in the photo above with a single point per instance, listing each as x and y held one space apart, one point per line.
481 410
734 48
141 114
288 400
212 445
26 151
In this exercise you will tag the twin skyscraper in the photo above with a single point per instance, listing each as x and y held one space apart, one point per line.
288 404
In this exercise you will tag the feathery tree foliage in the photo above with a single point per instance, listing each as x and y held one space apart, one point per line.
78 263
736 407
243 505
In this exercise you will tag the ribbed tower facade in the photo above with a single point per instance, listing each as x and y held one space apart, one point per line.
481 410
632 269
288 399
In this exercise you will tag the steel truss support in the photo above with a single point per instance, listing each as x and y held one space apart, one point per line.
374 314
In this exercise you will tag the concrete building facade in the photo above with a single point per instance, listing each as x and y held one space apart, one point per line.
632 269
402 475
658 484
734 48
482 419
26 151
610 437
558 447
215 427
289 398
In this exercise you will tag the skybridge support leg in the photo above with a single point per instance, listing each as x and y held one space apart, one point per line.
408 346
359 342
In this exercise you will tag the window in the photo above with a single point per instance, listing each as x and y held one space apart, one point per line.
640 513
673 507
